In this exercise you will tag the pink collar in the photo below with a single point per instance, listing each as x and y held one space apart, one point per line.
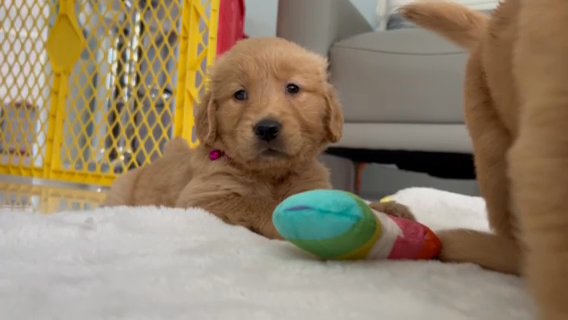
216 154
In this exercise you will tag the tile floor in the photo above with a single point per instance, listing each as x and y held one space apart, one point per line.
26 195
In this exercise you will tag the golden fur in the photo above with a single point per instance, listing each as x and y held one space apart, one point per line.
517 114
245 186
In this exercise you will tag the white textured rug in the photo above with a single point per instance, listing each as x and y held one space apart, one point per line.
148 263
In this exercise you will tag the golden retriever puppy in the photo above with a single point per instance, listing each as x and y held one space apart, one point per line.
517 114
268 113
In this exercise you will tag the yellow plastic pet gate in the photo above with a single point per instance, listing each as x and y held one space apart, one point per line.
92 88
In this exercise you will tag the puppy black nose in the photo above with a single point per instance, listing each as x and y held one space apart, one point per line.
267 130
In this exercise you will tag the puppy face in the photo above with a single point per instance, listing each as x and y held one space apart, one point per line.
269 105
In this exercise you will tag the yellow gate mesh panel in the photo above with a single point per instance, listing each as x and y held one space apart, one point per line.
25 82
120 105
202 19
126 76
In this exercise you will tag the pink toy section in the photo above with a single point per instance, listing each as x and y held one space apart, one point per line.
417 241
231 24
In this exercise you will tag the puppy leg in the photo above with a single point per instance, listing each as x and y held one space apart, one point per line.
232 202
539 158
237 201
488 250
491 141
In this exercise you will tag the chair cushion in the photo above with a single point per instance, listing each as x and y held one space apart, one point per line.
401 76
408 137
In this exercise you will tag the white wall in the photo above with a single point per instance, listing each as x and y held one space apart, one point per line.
368 9
261 15
261 18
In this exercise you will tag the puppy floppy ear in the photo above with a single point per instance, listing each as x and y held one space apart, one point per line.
334 117
205 119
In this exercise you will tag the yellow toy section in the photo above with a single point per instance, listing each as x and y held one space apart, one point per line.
90 89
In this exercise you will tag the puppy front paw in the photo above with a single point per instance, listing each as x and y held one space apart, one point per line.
393 208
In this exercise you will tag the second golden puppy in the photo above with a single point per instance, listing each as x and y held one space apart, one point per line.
517 113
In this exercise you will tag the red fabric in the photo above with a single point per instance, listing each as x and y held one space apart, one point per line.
231 24
417 242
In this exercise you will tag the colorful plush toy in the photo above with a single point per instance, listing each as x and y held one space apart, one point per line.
335 225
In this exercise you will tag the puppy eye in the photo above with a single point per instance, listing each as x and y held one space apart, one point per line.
292 88
240 95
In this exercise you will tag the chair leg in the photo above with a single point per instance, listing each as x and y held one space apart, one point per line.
359 171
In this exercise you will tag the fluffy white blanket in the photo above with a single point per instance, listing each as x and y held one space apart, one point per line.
149 263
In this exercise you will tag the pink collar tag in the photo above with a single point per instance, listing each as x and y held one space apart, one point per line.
216 154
